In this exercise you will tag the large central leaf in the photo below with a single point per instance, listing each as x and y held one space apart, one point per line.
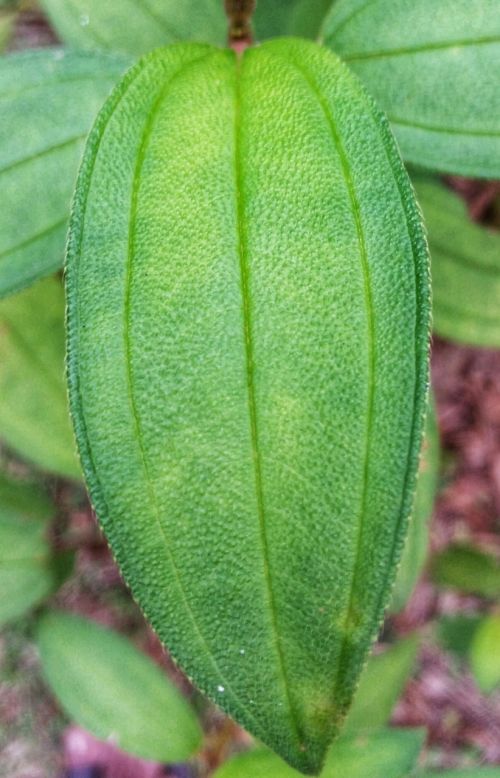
248 324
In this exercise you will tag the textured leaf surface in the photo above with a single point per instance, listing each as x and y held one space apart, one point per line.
466 568
34 417
391 753
415 552
484 653
26 572
248 315
434 66
136 26
107 686
465 268
48 101
381 685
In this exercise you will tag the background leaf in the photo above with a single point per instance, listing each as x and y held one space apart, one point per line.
485 653
466 568
434 67
110 688
470 772
465 268
289 17
48 101
242 443
27 574
415 551
34 417
455 632
136 26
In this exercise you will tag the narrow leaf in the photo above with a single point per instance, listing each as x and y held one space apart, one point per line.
381 685
109 687
247 364
48 101
484 653
434 67
415 553
465 268
26 572
136 26
468 569
34 418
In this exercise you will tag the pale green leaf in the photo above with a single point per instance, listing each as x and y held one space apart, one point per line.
113 690
136 26
391 753
27 575
465 268
485 653
34 418
248 323
469 772
468 569
48 101
434 67
415 552
381 685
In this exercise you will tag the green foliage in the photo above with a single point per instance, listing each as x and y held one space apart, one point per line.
381 685
248 366
456 632
6 25
48 101
433 66
390 753
466 568
415 552
27 574
107 686
485 653
34 418
289 17
465 268
136 26
470 772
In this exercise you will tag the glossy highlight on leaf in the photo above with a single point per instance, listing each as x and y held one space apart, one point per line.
48 101
248 316
434 67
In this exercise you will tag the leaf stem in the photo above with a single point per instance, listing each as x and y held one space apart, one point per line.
239 14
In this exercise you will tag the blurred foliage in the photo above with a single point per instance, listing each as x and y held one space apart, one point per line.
468 569
485 653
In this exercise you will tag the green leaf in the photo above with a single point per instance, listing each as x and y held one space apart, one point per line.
381 685
113 690
415 552
247 365
434 67
289 17
470 772
34 418
484 654
136 26
465 268
456 632
48 101
468 569
6 25
391 753
26 572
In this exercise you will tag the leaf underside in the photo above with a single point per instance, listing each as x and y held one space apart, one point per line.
434 67
248 323
48 101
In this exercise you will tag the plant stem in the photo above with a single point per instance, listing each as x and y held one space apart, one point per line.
239 14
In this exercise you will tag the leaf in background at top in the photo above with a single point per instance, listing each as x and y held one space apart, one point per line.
465 268
274 18
26 572
391 753
468 569
485 653
434 67
415 552
48 101
381 685
136 26
34 418
115 691
248 367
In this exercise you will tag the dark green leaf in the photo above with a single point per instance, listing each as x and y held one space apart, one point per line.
248 367
434 66
456 632
48 101
415 553
465 268
107 686
485 653
136 26
289 17
381 685
468 569
34 418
